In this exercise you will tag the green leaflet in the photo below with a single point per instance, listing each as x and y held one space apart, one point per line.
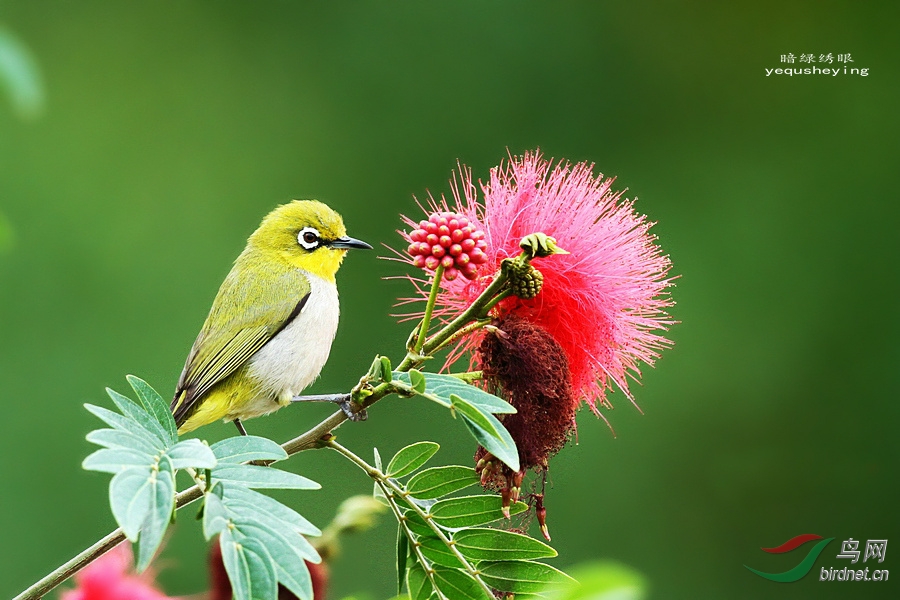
503 447
162 503
495 544
249 568
116 438
147 421
520 576
469 511
474 415
436 551
154 404
286 553
417 583
402 555
417 525
410 458
385 368
113 460
254 477
440 481
458 585
215 516
129 498
191 453
244 448
417 380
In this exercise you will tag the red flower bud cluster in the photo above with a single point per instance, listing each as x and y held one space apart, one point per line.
448 239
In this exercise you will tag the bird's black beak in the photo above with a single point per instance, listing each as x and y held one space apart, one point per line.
349 242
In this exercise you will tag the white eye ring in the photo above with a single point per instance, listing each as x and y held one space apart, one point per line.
309 238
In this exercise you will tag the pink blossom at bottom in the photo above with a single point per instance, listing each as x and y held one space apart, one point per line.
110 577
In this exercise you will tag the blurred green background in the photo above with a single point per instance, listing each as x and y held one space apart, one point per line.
168 129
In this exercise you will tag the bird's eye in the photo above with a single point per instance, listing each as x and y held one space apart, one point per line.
309 238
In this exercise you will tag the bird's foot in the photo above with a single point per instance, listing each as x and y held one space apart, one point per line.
354 411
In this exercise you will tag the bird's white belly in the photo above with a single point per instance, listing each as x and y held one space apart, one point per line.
292 359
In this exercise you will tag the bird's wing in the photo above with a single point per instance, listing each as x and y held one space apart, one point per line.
227 341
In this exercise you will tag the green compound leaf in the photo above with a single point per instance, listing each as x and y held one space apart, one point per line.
154 404
440 481
287 550
417 583
191 453
469 511
159 514
410 458
458 585
244 448
252 476
502 446
522 577
495 544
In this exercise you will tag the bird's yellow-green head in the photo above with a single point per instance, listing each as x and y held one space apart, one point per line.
304 234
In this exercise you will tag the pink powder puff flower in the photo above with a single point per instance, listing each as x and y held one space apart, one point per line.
110 577
603 303
448 240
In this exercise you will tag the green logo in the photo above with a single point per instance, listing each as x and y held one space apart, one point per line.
805 565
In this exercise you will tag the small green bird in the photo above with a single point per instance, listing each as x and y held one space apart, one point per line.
270 328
